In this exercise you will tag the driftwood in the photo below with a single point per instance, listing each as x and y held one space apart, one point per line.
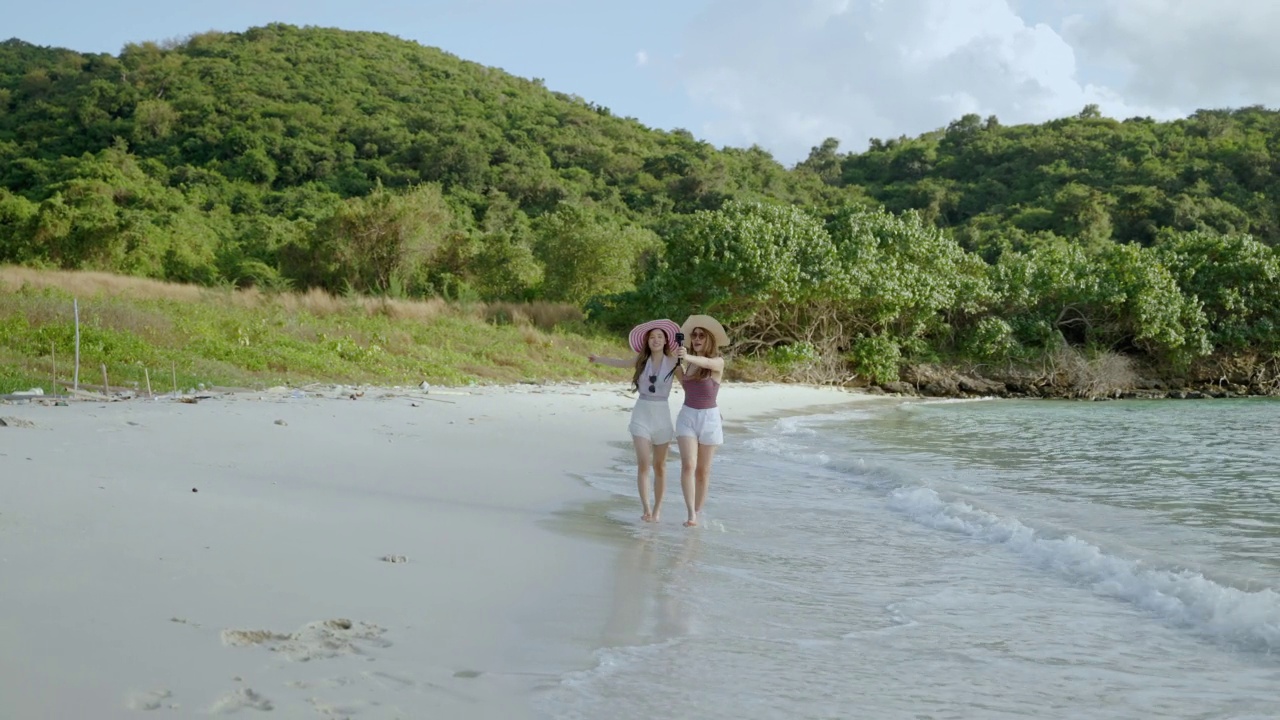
415 397
83 394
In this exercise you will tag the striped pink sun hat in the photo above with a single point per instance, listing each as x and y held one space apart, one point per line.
640 334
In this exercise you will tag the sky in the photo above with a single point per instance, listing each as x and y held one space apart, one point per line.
782 74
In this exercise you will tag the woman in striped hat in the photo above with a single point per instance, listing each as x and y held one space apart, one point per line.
654 367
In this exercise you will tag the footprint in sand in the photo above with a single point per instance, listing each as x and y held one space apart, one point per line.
324 708
313 641
361 689
387 681
242 638
240 699
150 700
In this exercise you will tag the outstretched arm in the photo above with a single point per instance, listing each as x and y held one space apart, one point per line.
612 362
715 364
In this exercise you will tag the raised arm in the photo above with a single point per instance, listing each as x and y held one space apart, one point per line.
715 364
612 362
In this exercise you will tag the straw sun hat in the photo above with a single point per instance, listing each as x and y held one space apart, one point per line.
639 336
709 324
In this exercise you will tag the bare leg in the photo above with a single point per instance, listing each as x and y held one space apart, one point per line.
706 454
644 451
659 478
688 462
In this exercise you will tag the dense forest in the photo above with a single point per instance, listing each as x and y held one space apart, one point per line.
360 163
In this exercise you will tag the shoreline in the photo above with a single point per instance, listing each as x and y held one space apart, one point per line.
422 553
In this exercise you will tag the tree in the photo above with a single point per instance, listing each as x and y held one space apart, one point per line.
1236 280
900 277
583 255
376 243
1120 298
824 161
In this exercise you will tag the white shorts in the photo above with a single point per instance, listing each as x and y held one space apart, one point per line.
701 424
651 419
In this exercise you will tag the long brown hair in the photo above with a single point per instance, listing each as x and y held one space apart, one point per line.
642 358
711 350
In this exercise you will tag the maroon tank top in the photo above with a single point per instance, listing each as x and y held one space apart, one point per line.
701 394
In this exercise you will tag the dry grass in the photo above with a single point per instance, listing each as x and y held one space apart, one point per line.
750 370
542 315
246 337
398 342
421 310
41 311
534 337
315 302
79 282
146 324
318 303
1090 377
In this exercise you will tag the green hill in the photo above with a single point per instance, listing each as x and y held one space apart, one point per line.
217 158
364 164
234 146
1087 178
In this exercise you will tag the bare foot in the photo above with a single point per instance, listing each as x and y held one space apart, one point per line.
647 516
691 522
657 515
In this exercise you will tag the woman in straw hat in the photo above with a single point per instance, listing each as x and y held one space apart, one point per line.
651 429
698 426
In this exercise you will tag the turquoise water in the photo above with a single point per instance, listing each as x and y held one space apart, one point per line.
985 559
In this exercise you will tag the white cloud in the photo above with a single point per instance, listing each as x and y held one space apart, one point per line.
788 75
642 58
1189 53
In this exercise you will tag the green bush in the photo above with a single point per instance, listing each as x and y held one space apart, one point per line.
788 358
876 357
992 338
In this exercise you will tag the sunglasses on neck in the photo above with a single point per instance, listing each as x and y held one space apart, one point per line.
653 380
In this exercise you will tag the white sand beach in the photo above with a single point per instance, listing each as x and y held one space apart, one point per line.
400 555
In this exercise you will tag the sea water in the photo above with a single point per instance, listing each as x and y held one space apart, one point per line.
977 559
